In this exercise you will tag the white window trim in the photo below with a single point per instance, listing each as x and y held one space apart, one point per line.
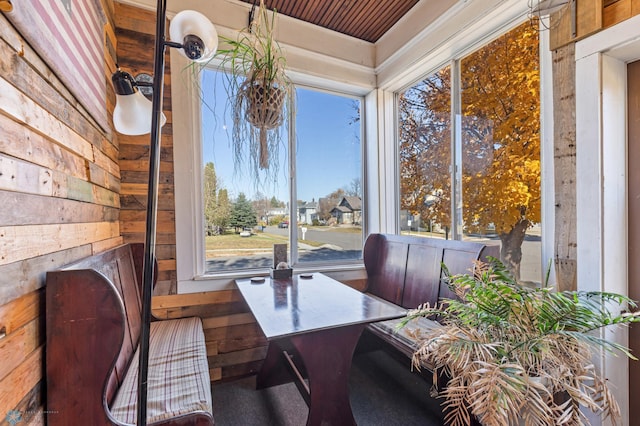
190 264
187 174
468 36
547 181
471 27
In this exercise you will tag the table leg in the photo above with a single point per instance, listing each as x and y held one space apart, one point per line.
274 371
327 356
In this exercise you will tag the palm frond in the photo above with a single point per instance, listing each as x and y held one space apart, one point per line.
509 350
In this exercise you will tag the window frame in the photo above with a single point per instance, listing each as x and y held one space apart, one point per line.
456 118
293 194
465 24
449 53
186 105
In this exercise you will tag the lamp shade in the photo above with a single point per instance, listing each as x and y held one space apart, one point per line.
547 7
196 33
133 111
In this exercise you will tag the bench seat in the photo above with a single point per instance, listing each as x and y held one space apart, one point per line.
406 339
407 271
178 378
93 327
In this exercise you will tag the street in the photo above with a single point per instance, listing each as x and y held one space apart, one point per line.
339 245
332 236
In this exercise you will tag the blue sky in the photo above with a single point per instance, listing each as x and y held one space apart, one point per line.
328 148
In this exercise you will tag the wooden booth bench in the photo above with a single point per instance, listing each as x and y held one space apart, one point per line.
93 321
407 271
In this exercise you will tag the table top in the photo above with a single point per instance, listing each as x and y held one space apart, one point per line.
303 304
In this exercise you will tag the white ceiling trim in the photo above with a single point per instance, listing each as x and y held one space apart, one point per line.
421 17
463 27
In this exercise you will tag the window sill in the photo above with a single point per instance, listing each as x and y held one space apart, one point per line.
225 280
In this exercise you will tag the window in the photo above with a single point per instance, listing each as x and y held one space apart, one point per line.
314 197
485 168
425 156
329 176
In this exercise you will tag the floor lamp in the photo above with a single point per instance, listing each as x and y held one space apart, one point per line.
134 114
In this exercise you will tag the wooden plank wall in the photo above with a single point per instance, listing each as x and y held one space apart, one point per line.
564 162
588 19
618 10
59 198
135 32
235 344
591 16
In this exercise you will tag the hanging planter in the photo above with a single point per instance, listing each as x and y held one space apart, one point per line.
258 89
263 107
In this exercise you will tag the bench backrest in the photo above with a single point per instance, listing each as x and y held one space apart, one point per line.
407 270
93 318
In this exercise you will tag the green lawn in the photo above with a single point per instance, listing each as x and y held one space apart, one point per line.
260 241
235 241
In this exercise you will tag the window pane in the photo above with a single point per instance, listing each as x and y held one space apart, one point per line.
237 206
500 127
328 176
245 216
497 161
425 156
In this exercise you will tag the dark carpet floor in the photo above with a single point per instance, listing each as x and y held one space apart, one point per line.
382 390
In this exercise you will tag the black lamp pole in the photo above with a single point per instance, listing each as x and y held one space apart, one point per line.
152 207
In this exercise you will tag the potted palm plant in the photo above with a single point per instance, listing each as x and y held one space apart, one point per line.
519 355
258 88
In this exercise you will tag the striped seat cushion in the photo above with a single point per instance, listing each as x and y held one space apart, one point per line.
178 379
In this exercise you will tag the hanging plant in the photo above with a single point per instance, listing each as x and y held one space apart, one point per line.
258 89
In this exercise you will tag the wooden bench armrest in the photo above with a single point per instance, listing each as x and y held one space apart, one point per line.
81 302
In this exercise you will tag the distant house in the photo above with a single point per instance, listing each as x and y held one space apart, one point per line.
276 212
307 212
348 211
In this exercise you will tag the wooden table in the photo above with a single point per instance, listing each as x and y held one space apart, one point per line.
317 321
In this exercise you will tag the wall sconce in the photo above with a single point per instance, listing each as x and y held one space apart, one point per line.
197 39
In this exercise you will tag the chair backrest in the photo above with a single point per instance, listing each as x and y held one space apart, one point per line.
407 270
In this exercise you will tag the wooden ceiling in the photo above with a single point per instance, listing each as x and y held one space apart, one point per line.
364 19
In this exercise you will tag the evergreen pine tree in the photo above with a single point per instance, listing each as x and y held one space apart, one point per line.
242 213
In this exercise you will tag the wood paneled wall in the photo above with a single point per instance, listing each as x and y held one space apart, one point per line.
235 344
564 161
59 201
591 16
135 32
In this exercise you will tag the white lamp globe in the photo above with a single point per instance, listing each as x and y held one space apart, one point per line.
189 23
132 114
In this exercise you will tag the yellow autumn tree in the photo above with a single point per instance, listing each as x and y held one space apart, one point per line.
500 138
